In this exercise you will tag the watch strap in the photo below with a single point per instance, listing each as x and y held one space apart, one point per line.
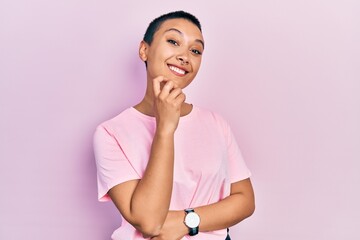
188 210
193 231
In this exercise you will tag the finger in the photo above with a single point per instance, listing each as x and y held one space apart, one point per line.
175 92
156 85
165 91
180 99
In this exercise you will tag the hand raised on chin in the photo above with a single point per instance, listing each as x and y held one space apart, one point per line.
168 100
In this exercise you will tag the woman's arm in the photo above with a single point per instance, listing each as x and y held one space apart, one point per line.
231 210
223 214
145 203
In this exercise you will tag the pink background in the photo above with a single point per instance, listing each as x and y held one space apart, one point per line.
286 74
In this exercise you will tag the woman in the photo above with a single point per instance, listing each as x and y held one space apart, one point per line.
172 169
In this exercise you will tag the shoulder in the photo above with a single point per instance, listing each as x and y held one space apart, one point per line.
123 120
129 124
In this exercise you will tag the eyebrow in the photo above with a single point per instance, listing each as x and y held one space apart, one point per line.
178 31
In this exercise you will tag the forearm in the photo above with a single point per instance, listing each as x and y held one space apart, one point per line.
151 198
225 213
220 215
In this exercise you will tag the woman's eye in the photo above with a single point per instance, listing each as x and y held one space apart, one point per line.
172 42
196 51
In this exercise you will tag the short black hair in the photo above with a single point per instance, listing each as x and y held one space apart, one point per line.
156 23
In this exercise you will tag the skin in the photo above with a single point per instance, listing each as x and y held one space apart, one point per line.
145 203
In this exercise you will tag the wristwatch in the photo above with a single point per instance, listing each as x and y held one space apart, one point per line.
192 221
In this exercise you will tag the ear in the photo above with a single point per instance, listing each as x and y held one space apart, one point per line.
143 49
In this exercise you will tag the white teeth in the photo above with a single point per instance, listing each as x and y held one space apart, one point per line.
178 70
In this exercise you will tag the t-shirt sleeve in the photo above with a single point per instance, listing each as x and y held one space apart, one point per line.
237 167
112 165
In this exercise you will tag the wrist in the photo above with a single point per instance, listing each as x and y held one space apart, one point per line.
182 226
177 222
164 132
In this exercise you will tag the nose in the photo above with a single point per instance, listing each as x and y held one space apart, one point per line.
183 59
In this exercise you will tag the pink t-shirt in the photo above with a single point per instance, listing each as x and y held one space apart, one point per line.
207 160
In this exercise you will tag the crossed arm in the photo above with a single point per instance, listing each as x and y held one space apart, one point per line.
223 214
145 203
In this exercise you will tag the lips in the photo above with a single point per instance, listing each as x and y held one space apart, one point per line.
177 70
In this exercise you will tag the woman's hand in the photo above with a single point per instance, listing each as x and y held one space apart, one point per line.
174 227
167 103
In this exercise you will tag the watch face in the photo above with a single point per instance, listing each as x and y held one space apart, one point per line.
192 220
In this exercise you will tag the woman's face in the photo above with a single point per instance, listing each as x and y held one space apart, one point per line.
175 52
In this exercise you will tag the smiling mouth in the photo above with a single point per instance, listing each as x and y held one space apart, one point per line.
177 71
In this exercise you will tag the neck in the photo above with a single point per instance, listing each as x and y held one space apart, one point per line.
146 106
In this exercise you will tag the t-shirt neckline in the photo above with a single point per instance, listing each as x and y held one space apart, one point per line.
151 118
